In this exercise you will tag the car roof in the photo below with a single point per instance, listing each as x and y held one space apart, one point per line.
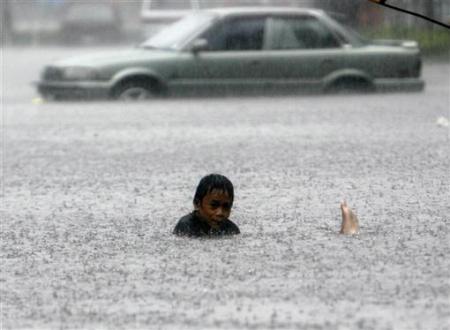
231 11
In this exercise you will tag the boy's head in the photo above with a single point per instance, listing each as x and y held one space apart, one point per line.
213 198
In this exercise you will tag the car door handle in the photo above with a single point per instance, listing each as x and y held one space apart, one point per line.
254 63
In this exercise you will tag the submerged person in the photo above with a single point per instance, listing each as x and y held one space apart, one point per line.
213 201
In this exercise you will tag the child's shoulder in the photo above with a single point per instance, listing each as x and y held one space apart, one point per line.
231 227
185 225
186 220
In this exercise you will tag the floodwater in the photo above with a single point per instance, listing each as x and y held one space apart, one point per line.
92 191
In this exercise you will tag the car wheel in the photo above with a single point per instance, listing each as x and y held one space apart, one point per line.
350 85
134 91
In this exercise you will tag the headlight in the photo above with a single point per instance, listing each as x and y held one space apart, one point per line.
79 73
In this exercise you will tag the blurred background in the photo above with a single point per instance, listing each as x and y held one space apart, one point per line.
91 191
75 22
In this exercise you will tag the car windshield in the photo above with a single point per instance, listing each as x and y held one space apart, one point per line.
175 35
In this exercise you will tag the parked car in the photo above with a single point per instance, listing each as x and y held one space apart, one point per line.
157 14
91 22
240 49
163 11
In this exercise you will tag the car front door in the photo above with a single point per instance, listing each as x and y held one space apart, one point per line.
303 50
233 59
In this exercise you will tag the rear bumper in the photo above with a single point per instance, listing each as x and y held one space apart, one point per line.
73 90
403 84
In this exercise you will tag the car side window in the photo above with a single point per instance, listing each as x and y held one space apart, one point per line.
236 34
298 33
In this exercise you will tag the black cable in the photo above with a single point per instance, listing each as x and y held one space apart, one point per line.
383 3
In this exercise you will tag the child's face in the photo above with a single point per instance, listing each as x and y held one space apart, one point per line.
215 207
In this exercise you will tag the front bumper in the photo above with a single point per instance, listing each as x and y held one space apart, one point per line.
400 84
74 90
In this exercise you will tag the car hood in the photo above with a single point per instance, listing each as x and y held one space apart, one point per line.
113 58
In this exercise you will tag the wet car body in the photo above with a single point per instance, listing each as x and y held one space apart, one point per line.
237 50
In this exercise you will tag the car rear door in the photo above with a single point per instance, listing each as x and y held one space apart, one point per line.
301 50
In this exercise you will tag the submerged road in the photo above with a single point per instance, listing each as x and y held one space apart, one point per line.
91 192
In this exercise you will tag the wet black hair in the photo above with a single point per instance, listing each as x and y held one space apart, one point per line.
211 182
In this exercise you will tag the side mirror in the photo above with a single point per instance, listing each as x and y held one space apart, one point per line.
199 45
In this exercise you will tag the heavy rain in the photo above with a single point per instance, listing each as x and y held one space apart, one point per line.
92 189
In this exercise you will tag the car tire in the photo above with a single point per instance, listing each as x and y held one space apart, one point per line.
132 90
350 85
